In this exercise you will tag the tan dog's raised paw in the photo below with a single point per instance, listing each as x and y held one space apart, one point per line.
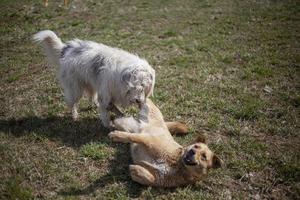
118 136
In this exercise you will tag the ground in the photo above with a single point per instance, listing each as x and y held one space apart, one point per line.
229 69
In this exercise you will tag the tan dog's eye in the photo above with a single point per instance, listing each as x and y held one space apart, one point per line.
203 157
197 146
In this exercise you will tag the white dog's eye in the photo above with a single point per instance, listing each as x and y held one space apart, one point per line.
140 89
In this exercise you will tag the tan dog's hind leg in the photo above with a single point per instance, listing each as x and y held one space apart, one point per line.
141 175
177 128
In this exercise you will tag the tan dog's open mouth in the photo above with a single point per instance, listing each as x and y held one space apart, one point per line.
189 158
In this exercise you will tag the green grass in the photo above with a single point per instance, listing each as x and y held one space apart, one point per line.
96 151
213 61
14 190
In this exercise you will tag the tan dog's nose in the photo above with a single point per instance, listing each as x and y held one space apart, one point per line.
191 152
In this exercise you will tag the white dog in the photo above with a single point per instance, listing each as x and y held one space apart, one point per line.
109 75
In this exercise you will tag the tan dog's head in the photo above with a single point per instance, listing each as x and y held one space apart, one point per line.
198 158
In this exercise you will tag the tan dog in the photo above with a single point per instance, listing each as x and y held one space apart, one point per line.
158 159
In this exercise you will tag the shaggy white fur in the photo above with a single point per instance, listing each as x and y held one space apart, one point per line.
109 75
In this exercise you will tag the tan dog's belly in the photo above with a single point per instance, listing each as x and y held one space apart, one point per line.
156 148
140 154
156 164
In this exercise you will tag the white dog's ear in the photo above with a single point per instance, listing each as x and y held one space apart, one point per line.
126 77
152 78
148 91
149 88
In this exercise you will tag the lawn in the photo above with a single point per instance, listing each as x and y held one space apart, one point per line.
229 69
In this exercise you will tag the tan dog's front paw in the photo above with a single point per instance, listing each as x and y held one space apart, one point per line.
118 136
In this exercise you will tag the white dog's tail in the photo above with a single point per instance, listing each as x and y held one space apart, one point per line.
51 45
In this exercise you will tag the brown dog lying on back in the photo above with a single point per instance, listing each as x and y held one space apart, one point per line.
158 159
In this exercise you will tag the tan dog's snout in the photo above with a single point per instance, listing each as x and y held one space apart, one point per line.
189 158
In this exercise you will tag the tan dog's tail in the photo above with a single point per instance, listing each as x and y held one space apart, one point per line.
177 128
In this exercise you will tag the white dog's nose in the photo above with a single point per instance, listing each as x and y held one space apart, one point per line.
138 101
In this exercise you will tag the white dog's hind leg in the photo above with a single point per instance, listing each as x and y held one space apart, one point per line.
95 99
72 105
75 114
92 95
72 97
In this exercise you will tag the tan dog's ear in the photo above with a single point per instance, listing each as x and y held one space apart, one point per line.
216 162
200 139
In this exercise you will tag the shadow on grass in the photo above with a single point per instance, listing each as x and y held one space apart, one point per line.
118 173
64 129
75 135
133 189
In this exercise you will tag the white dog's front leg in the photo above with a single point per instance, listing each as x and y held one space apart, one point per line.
115 109
104 112
104 115
104 102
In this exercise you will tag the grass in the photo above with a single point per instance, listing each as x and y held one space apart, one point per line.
14 190
213 60
96 151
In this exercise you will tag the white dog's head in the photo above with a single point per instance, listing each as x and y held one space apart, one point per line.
139 83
